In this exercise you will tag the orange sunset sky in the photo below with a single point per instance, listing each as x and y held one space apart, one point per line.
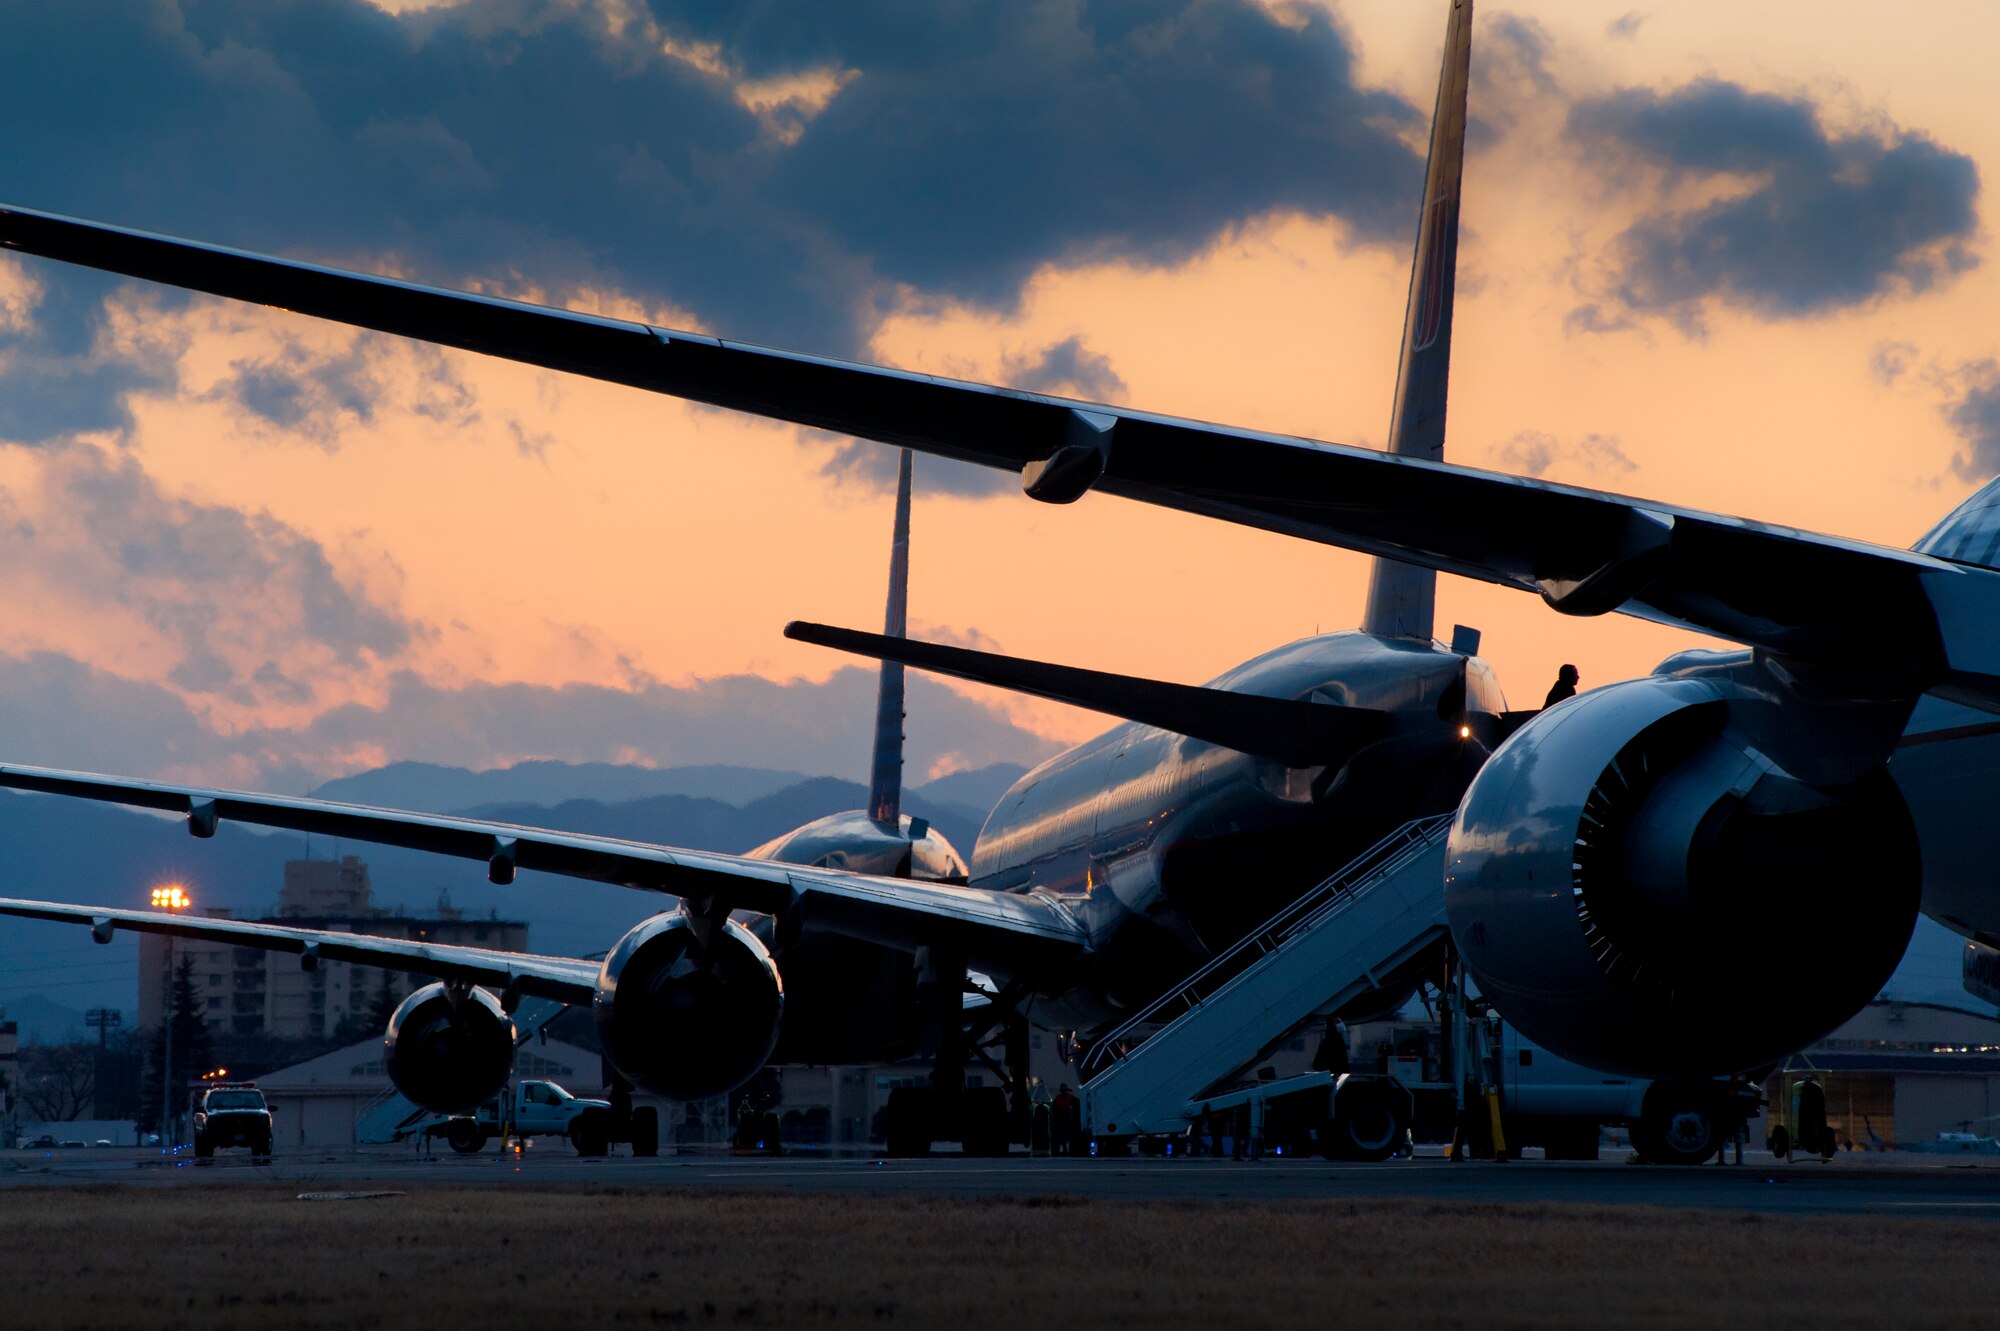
258 587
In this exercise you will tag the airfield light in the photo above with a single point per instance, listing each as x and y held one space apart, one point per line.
173 896
1465 732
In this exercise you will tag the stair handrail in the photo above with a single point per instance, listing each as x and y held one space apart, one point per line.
1378 861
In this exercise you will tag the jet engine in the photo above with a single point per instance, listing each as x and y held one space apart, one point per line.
686 1016
449 1052
1639 888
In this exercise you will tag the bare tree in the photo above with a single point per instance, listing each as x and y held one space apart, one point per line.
58 1082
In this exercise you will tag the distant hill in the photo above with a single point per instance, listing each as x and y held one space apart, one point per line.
980 788
43 1022
432 788
703 824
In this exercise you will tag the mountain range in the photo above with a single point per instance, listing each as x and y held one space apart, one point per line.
72 850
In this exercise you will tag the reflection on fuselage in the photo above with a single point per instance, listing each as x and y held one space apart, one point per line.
1170 848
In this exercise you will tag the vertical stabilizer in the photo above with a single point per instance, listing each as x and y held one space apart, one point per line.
885 776
1402 598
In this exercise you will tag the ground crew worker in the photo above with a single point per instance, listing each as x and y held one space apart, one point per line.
1564 687
1040 1116
1332 1055
1067 1119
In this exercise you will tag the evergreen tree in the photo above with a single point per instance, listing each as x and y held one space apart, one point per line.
193 1049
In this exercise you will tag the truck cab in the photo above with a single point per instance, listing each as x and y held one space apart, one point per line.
230 1113
533 1108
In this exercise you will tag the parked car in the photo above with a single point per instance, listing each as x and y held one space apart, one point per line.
41 1143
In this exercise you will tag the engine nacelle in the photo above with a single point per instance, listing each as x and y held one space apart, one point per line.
683 1020
449 1053
1638 889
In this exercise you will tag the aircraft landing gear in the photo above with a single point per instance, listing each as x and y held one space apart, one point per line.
985 1120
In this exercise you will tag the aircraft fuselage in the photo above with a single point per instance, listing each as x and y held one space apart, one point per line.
1170 848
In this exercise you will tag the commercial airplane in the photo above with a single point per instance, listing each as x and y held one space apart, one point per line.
1621 869
1103 876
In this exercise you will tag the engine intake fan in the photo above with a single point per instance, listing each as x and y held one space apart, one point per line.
1640 890
449 1052
685 1018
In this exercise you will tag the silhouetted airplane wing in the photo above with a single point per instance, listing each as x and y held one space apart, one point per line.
565 979
998 931
1586 552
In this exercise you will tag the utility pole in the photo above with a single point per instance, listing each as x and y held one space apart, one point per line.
106 1020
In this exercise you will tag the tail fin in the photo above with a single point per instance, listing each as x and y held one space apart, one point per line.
1402 598
1296 733
885 773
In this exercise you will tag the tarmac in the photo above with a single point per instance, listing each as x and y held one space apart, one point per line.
1856 1184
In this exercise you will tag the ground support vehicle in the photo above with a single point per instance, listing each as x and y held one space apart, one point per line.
1396 1088
226 1114
544 1109
1517 1094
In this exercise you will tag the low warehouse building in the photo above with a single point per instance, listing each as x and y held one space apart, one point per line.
1899 1073
321 1102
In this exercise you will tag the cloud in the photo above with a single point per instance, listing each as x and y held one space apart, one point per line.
784 173
1974 416
221 602
826 728
1536 452
1809 220
1890 361
1626 25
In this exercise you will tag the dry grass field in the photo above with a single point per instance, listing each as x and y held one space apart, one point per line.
587 1258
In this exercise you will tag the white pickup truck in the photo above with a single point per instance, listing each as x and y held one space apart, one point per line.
544 1109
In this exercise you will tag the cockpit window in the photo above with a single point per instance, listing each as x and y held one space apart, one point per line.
1970 534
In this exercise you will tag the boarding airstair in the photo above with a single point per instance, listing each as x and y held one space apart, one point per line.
1340 940
391 1117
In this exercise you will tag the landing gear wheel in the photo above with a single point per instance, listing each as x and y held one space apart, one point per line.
1679 1127
906 1124
1576 1141
465 1137
587 1136
1780 1142
986 1129
645 1131
1366 1125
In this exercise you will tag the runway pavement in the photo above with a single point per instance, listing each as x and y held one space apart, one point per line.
1874 1185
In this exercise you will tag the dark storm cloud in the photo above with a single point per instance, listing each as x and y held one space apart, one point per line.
1071 369
981 140
535 143
317 395
1827 221
1067 368
1974 415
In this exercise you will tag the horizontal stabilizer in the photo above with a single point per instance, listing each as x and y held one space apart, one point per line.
1293 732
